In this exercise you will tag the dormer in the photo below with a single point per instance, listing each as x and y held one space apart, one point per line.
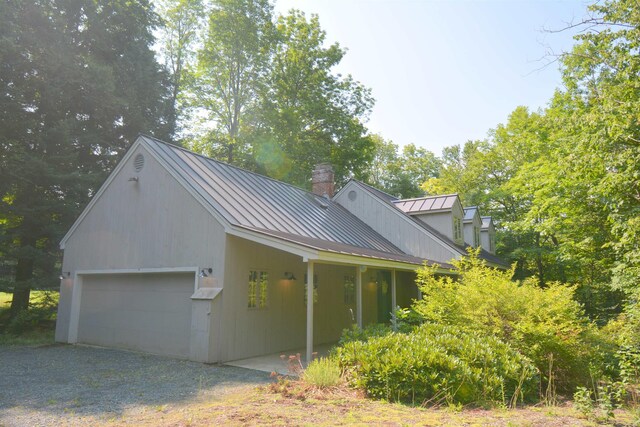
488 235
472 223
444 213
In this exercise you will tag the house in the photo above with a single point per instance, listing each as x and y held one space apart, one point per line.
472 223
181 255
488 235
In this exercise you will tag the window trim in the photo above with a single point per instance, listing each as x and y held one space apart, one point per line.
457 229
258 292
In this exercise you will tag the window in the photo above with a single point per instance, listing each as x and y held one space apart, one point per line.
476 237
457 229
492 243
315 289
349 290
258 288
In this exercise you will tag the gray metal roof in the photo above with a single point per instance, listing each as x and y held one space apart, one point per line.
486 220
426 204
469 213
262 204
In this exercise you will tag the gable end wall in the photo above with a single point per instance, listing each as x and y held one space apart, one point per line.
391 224
149 224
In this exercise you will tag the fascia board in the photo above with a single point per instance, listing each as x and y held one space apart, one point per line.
346 259
273 242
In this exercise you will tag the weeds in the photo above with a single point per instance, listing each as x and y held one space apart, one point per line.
322 373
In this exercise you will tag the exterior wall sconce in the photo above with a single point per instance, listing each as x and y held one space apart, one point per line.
288 276
205 272
65 275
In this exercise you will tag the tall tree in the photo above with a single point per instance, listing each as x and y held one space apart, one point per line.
401 172
602 76
230 72
181 30
313 114
78 81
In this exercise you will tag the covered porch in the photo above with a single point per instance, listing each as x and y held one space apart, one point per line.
347 290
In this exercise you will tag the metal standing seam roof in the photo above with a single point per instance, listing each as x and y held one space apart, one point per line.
469 213
262 204
426 204
486 220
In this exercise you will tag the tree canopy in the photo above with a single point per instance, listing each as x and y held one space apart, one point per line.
78 81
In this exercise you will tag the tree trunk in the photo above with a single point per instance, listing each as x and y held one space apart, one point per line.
22 291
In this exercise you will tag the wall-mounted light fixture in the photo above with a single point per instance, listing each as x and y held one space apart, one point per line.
205 272
65 275
288 276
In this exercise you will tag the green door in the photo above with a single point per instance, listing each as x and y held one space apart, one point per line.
384 296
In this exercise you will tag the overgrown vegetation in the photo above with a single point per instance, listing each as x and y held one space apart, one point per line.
480 338
29 327
546 325
322 373
439 364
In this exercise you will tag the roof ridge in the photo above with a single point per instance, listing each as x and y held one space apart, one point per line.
232 166
374 188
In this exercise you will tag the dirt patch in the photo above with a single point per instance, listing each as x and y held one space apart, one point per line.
260 406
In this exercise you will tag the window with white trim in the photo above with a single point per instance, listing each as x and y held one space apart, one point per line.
258 289
457 229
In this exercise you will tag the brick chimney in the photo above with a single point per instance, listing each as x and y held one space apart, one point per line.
322 182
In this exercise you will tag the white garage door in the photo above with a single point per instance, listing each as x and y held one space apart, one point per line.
145 312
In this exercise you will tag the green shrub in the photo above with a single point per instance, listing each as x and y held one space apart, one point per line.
40 315
546 325
322 373
438 363
363 334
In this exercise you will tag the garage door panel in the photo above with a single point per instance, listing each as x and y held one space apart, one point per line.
146 312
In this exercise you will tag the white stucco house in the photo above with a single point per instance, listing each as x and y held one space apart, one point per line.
181 255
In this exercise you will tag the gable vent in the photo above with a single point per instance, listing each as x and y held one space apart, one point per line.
138 162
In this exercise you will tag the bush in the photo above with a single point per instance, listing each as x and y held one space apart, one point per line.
437 363
322 373
363 334
545 325
40 315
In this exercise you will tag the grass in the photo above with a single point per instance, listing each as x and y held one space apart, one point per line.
340 406
29 339
41 332
35 297
322 373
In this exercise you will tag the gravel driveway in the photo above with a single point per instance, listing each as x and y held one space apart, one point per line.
68 385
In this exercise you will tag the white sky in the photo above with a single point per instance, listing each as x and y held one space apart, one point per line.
444 72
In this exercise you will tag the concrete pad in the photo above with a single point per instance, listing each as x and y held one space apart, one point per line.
276 363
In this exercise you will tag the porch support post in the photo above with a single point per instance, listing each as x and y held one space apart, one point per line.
309 310
359 296
394 303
